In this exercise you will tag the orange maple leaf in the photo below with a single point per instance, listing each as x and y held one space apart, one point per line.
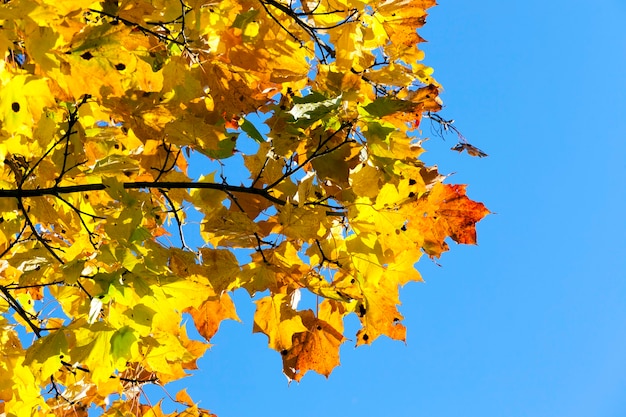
211 313
314 350
446 212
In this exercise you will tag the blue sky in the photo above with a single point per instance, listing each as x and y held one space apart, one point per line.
532 322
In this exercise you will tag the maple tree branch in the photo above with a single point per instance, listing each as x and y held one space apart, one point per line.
185 9
143 29
66 153
295 38
164 169
312 12
69 189
316 154
73 119
83 289
324 257
339 210
444 125
80 214
57 393
378 89
79 211
72 367
447 125
260 173
308 29
15 305
152 380
14 286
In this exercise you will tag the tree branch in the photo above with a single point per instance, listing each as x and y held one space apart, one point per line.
319 151
69 189
143 29
15 305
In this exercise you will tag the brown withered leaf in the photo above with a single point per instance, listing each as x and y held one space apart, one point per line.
470 149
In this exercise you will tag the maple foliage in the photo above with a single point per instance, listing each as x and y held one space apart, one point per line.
104 109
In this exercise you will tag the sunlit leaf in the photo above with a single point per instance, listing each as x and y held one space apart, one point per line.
211 313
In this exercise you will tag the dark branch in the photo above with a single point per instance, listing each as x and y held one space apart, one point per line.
69 189
143 29
38 236
15 286
164 169
179 222
319 151
326 258
310 30
259 241
15 305
80 214
73 118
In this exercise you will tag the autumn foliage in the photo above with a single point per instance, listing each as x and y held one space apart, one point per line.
106 110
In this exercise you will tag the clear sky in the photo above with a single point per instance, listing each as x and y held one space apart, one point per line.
532 322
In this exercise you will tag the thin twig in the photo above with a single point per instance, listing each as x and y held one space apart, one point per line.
259 241
179 222
73 119
80 214
143 29
314 155
164 169
38 236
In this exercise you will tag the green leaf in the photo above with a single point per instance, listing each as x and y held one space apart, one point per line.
48 351
312 97
385 106
122 344
93 348
140 234
242 19
226 149
252 131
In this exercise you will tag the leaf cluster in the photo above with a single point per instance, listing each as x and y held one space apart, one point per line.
106 109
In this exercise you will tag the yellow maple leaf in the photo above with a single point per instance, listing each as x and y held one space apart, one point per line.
276 318
22 101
